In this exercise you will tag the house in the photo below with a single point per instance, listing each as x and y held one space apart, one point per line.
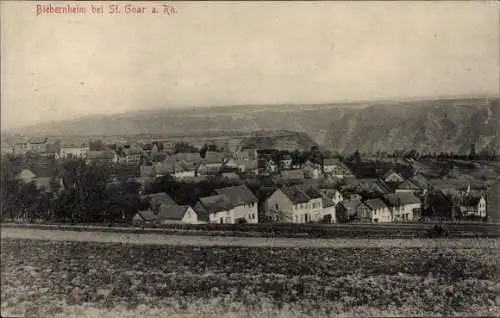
404 206
292 175
333 194
392 176
230 176
187 157
143 181
130 156
37 144
245 155
296 204
347 209
168 146
52 150
311 171
270 166
26 175
229 205
147 171
286 162
145 217
101 157
473 206
213 159
154 201
408 186
333 167
420 180
177 214
374 210
73 151
20 147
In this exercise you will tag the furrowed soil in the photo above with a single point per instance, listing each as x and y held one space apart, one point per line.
95 279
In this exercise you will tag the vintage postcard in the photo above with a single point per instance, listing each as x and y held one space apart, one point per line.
249 159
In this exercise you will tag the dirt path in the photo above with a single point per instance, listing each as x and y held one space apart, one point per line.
162 239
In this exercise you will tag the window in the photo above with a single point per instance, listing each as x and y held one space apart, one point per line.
276 206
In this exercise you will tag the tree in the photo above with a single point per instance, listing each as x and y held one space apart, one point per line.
181 147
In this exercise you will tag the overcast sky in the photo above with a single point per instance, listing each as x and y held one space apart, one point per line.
214 53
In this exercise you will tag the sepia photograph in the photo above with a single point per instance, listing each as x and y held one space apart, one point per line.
250 159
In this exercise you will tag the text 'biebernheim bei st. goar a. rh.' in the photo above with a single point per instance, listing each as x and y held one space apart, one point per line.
153 8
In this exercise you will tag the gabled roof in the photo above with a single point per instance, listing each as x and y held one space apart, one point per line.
238 195
43 182
471 201
400 198
214 157
172 212
351 204
295 195
26 174
375 204
147 215
409 185
157 199
390 172
420 180
215 203
311 192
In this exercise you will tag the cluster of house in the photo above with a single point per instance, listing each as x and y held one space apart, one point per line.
238 204
398 197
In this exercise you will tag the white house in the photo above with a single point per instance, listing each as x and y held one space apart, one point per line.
392 176
229 205
404 206
333 194
177 214
297 204
473 206
71 151
376 211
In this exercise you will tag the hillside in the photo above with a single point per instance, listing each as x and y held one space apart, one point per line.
310 119
428 126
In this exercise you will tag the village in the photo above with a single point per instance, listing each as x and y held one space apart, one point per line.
250 185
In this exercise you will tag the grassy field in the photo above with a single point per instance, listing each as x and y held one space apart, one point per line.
96 279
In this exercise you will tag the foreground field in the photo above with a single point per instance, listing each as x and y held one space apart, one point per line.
55 278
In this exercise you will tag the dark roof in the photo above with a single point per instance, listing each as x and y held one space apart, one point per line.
215 203
409 184
401 198
157 199
214 157
295 195
351 204
420 180
375 204
147 215
471 201
238 194
310 191
52 148
172 212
